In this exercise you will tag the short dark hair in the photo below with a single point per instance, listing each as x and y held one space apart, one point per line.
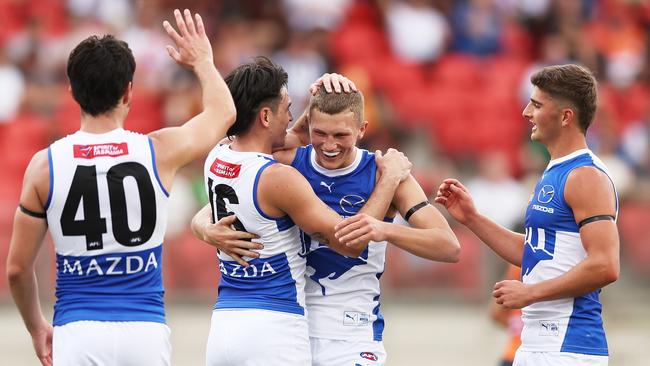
99 70
573 83
334 103
253 86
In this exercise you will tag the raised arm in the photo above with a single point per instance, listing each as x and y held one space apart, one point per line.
508 244
177 146
26 240
589 193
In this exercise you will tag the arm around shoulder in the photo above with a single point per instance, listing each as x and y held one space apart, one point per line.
282 189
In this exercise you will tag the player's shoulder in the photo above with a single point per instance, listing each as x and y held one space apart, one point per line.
587 175
281 172
588 184
39 163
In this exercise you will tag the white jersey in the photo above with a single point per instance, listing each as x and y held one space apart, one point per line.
274 281
552 248
342 292
107 212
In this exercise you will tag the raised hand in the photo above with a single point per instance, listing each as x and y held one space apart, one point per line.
333 82
192 45
232 242
393 164
457 200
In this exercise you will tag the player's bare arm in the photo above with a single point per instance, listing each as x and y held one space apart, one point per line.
591 195
455 197
233 243
177 146
283 190
428 237
221 235
26 241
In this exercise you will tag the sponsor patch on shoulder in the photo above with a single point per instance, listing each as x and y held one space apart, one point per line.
369 356
111 149
225 169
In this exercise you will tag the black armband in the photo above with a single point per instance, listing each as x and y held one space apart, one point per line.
28 212
414 209
596 218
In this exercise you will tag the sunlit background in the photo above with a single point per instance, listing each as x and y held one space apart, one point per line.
445 81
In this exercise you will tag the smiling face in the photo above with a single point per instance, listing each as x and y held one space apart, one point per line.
546 116
334 137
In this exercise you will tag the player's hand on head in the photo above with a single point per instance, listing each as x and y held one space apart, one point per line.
456 198
192 44
336 83
394 164
358 230
235 243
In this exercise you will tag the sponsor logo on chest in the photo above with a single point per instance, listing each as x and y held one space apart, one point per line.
110 266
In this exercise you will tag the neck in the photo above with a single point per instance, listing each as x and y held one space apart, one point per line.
103 123
567 144
251 141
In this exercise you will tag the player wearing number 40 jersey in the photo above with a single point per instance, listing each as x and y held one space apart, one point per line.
103 193
570 248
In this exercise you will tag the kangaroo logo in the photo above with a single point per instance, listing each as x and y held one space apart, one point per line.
540 246
331 265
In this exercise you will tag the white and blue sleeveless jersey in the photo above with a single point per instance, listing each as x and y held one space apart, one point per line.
274 281
342 293
107 213
552 248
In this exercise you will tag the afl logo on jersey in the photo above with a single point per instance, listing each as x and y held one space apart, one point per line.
351 203
546 194
369 356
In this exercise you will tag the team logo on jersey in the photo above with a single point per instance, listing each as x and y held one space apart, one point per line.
351 203
224 169
98 150
545 195
539 246
369 356
328 264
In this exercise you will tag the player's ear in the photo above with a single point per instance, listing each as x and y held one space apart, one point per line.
362 129
128 94
264 116
568 116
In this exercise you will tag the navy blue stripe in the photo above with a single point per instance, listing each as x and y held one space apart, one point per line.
49 194
283 223
155 168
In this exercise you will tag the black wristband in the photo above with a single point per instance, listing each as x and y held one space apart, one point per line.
596 218
26 211
414 209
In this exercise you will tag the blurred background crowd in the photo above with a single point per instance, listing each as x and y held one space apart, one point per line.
445 81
